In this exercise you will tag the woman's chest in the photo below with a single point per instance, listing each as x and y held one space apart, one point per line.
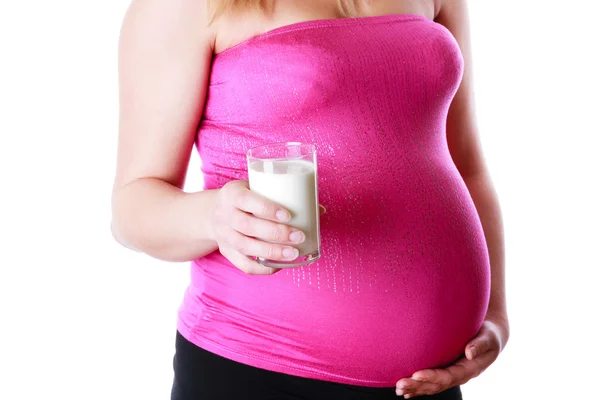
233 30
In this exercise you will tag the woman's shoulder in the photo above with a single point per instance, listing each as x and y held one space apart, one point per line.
170 22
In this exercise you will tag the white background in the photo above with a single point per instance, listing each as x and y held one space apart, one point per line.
83 318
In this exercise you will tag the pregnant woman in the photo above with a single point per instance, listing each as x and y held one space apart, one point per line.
408 296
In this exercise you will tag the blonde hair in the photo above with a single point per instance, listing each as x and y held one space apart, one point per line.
347 8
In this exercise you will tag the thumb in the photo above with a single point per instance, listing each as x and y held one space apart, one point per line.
478 346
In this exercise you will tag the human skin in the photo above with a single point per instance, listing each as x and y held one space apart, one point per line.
165 53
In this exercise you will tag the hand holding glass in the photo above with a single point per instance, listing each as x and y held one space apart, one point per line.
286 173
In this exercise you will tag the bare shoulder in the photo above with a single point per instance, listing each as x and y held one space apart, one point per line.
179 23
165 51
452 12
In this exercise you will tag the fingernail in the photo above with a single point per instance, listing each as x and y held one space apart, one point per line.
282 215
297 237
473 351
400 392
290 253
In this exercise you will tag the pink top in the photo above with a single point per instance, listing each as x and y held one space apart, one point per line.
403 281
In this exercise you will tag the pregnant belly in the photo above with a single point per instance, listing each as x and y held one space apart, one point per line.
371 336
366 323
403 284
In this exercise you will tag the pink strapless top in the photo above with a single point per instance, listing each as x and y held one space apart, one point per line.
403 281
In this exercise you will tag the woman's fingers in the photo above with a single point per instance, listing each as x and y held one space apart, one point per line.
255 204
480 354
457 374
440 376
464 370
480 345
257 248
245 225
245 263
265 230
487 339
411 388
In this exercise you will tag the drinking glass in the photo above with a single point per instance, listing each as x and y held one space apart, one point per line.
286 173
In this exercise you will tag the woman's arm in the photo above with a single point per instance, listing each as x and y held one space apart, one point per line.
463 142
165 52
465 148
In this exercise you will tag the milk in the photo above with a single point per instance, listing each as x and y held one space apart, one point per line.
292 184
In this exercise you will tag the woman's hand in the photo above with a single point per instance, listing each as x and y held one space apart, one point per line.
243 222
480 353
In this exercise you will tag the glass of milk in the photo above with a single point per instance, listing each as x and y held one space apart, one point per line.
286 173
